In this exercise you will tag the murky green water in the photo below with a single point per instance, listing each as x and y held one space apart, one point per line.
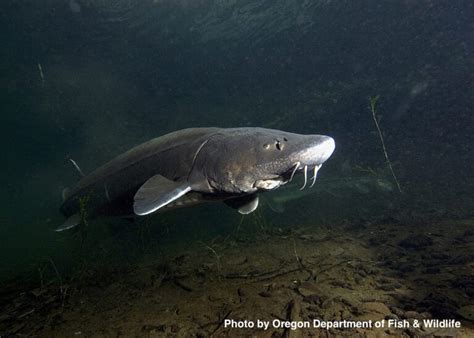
88 80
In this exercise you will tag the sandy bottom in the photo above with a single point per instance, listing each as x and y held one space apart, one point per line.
366 272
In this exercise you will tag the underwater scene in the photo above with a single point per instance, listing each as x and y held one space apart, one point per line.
223 168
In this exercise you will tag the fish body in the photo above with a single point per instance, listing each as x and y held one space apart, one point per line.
196 165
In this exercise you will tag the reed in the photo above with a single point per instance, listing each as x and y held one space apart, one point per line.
373 108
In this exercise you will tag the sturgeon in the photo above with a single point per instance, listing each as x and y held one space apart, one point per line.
193 166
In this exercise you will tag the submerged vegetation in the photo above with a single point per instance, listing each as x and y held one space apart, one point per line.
373 103
83 216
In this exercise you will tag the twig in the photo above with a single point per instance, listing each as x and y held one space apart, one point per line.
254 275
221 322
330 268
236 230
182 286
240 223
26 314
278 274
303 267
40 271
62 288
40 69
218 259
58 275
296 254
373 103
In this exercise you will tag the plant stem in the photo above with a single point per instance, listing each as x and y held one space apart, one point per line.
373 103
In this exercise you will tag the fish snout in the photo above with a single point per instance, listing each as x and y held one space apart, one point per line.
318 150
314 151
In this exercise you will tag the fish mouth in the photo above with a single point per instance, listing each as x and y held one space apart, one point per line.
269 184
276 181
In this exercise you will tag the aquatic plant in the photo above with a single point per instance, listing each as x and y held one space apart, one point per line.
218 258
261 221
63 288
373 104
83 202
298 259
83 216
256 220
144 233
48 274
214 252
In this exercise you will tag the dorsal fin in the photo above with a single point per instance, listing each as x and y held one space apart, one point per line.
77 167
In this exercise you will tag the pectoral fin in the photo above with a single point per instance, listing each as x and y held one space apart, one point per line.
157 192
244 205
70 223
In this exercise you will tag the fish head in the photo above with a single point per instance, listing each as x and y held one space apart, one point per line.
289 154
247 160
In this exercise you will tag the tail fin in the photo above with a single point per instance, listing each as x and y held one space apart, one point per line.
70 223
